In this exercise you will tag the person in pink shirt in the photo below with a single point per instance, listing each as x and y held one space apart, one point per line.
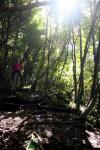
16 68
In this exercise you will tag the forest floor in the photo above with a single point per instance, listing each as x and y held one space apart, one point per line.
24 120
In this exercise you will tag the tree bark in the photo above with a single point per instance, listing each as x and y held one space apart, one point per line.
48 58
81 80
5 56
56 62
98 106
94 90
74 67
81 76
34 85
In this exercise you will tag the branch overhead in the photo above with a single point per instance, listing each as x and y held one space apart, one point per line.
25 7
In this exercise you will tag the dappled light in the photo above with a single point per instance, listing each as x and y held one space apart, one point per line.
42 126
24 126
49 74
94 138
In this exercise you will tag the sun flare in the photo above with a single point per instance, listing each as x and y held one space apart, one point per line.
67 6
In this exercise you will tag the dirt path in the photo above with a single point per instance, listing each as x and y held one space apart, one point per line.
52 130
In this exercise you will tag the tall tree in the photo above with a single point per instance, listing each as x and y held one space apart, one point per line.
94 89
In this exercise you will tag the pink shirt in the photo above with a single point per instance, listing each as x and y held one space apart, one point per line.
17 67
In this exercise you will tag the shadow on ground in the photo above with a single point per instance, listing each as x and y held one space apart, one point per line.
52 130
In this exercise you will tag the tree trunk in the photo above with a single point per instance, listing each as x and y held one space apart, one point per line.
56 62
94 90
74 67
98 106
48 56
34 85
5 56
81 76
81 79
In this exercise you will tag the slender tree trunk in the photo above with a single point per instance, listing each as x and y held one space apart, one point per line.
92 9
48 56
94 90
74 67
56 62
81 80
34 85
81 77
15 41
66 55
5 56
98 106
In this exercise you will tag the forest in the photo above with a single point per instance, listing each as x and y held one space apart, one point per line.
49 74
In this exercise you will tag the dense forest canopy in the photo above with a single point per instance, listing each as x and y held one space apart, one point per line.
58 43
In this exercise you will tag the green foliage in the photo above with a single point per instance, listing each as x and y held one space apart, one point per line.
45 45
32 145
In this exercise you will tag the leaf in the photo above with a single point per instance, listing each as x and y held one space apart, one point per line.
32 145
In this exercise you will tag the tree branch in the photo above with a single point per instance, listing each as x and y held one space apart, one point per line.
25 7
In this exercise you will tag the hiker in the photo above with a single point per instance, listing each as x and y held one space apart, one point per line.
16 68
